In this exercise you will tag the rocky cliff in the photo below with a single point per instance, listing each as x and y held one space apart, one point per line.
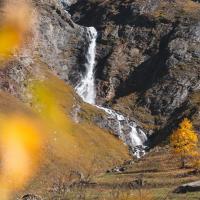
148 58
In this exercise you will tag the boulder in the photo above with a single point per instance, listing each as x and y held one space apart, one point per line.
188 187
30 197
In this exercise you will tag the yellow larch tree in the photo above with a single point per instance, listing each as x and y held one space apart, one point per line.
184 142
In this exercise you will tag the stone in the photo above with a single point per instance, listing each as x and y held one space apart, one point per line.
188 187
31 197
118 169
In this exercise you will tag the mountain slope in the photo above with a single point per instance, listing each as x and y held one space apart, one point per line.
73 143
147 68
147 59
81 147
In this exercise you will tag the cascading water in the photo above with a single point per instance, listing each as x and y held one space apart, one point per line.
128 131
86 89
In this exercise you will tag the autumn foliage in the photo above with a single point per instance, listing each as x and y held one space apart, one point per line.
184 142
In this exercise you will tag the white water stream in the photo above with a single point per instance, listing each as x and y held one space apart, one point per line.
86 89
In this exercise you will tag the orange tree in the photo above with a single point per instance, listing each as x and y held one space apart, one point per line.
184 142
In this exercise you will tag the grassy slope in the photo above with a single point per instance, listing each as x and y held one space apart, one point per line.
82 147
161 175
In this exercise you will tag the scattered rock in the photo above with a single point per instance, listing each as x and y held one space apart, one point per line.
118 169
31 197
188 187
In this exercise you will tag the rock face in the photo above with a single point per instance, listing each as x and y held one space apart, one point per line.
148 59
59 43
188 187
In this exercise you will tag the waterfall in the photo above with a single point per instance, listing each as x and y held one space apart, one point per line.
128 131
86 88
135 137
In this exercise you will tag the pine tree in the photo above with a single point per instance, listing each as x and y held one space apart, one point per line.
184 142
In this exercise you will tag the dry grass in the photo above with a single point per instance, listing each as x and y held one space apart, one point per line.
160 173
89 150
76 146
177 9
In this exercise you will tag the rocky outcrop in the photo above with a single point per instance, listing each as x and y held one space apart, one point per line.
30 197
61 43
147 58
188 187
67 3
58 43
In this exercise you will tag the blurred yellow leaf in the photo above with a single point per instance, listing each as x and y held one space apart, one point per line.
17 22
20 145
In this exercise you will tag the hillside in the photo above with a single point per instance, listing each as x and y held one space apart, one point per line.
68 145
81 147
101 82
